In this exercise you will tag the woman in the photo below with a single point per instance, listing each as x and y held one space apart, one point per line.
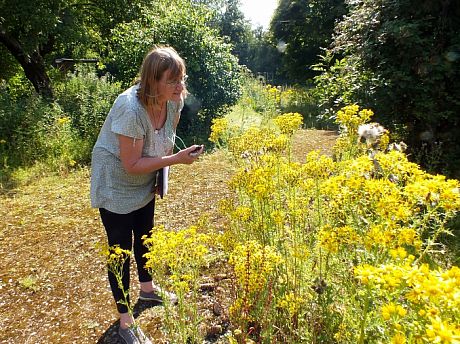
136 141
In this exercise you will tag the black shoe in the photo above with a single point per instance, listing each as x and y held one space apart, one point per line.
157 295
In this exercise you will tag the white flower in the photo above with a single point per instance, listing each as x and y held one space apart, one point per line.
371 132
399 147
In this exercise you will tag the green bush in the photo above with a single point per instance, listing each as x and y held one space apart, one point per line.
401 60
214 72
59 134
20 126
86 99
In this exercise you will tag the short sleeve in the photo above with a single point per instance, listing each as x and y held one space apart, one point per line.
126 121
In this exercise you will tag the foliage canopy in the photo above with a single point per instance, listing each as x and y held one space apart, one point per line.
302 28
403 61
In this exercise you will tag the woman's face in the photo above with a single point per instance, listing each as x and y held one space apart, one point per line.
170 88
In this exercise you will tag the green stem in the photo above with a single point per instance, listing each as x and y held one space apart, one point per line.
363 321
432 240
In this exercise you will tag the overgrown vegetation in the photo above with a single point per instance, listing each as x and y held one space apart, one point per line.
403 61
57 135
343 251
267 101
354 247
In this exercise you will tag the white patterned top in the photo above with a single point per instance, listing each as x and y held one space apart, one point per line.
112 187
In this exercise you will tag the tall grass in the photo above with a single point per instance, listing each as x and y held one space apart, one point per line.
260 103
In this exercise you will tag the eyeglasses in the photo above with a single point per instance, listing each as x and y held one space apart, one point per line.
174 84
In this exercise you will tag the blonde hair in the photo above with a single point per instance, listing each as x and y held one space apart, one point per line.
155 64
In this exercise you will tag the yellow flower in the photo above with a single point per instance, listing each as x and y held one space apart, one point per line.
291 303
176 252
407 236
391 309
242 213
364 273
288 123
442 332
398 253
63 120
401 311
219 128
351 118
254 264
277 216
318 166
328 239
388 310
398 338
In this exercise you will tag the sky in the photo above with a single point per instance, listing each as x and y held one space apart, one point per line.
259 12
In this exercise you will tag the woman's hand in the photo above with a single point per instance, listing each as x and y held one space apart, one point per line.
134 163
185 157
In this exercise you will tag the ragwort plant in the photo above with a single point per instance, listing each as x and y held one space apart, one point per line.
355 239
174 261
116 258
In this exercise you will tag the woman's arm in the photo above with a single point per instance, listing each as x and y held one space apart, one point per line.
134 163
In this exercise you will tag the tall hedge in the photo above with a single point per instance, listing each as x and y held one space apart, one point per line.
402 59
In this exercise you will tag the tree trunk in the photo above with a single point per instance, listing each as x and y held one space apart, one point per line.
32 64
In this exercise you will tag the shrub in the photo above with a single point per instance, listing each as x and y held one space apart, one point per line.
86 99
59 134
403 60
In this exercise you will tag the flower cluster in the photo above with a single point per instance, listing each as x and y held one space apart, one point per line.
63 120
175 260
254 265
177 254
351 117
335 238
354 127
289 123
375 217
220 130
430 297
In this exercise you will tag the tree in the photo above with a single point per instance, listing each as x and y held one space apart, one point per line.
304 27
409 55
26 32
253 47
214 71
34 32
233 24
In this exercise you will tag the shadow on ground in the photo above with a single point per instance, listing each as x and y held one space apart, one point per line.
110 336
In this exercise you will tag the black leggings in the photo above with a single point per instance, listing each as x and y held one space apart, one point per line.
119 228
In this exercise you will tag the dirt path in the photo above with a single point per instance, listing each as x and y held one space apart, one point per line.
53 284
